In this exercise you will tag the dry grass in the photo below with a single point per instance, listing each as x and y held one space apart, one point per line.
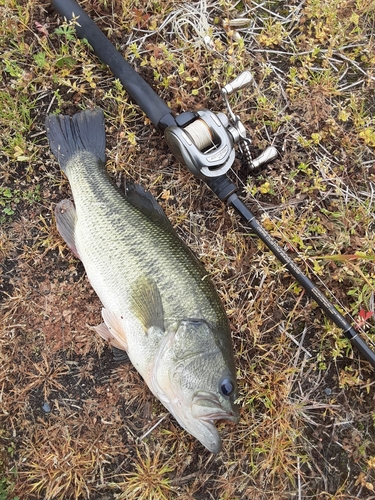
73 423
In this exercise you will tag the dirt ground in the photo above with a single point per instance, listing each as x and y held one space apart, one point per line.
77 423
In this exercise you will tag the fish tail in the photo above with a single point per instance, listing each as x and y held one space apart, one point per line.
83 132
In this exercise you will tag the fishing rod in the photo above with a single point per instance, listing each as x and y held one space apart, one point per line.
205 142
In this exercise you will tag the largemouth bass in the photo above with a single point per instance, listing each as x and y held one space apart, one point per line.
158 303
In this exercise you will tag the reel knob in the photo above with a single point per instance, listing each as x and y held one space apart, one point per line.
269 154
242 81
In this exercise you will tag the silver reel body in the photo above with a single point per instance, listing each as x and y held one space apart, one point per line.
204 146
205 143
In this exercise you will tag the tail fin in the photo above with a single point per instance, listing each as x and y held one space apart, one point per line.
83 132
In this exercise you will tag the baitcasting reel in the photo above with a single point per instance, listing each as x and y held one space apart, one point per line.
204 141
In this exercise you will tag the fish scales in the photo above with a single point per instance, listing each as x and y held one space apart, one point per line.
107 222
158 302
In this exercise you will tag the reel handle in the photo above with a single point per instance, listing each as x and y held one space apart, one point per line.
268 155
243 80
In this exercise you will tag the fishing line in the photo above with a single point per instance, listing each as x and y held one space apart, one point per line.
200 134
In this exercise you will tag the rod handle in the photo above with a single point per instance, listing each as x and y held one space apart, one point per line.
146 98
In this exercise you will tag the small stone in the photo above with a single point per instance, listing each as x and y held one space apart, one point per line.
46 408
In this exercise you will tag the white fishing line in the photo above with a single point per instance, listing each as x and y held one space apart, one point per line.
200 133
190 24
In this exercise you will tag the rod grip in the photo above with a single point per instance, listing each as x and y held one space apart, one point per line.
147 99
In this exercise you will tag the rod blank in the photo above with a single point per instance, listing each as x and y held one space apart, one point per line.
311 289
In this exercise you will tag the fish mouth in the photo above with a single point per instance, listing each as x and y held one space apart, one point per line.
207 407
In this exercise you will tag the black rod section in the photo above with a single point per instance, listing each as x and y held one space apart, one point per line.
147 99
303 280
226 191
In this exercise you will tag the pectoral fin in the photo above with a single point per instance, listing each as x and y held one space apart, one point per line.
146 303
66 218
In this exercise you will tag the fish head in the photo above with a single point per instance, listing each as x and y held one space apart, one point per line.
194 377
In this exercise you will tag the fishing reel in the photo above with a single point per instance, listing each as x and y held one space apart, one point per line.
204 141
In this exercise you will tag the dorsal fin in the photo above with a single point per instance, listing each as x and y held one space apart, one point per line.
145 201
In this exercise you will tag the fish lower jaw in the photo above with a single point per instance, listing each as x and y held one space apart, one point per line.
212 439
207 407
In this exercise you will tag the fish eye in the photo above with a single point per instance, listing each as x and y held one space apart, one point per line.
227 387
